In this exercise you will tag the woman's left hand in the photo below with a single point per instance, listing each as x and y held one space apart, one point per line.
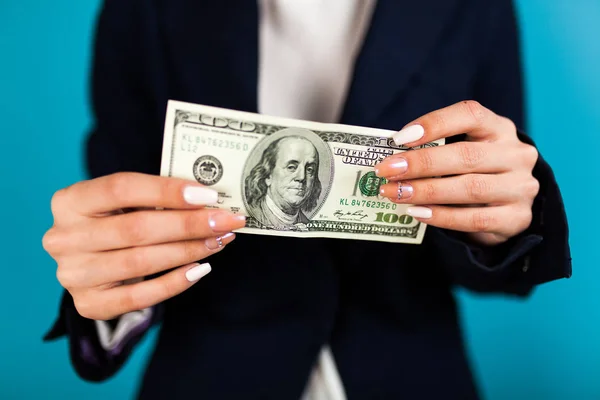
484 185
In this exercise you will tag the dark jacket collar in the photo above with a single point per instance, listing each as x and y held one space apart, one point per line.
221 42
401 36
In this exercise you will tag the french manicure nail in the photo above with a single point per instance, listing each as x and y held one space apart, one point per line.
419 212
198 272
225 221
408 134
219 241
198 195
391 168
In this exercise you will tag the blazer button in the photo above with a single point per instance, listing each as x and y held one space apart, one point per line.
526 264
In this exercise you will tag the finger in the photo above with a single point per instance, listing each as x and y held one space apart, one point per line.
461 189
452 159
503 220
145 228
136 262
130 190
123 299
468 117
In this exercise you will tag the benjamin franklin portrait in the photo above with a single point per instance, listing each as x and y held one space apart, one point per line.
287 178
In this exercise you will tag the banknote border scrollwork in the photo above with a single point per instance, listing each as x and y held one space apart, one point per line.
413 232
180 116
327 135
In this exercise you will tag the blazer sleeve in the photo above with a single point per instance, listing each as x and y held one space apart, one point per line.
123 138
540 254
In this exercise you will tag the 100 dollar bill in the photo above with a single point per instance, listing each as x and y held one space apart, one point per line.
289 177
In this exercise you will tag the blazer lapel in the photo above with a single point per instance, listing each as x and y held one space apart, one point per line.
216 53
401 36
214 48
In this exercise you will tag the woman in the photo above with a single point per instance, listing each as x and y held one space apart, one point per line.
281 317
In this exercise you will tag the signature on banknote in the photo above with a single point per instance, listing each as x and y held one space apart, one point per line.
350 216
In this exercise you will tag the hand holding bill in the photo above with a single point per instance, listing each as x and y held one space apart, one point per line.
104 254
483 186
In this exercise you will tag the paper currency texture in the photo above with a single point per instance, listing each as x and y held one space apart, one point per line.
289 177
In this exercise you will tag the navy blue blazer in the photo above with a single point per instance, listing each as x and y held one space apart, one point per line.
253 328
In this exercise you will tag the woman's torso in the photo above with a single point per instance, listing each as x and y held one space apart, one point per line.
254 328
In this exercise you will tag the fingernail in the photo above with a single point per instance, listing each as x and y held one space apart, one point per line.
219 241
408 134
391 167
225 222
419 212
198 272
198 195
398 191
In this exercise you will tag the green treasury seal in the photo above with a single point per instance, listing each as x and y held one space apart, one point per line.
369 184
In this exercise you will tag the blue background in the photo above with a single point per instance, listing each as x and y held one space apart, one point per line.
547 347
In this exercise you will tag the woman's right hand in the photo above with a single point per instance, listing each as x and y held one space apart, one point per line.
98 246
